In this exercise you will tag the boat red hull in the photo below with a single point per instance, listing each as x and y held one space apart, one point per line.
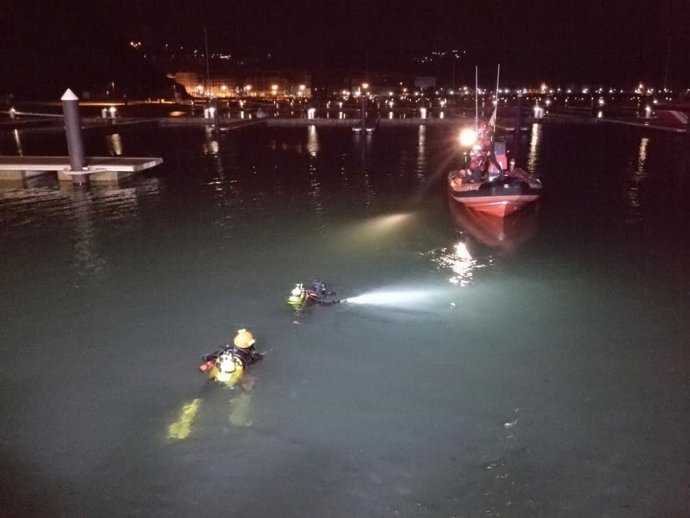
500 206
500 197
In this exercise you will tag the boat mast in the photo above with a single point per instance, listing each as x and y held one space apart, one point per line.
476 98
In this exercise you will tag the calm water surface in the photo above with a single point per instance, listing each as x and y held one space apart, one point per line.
539 369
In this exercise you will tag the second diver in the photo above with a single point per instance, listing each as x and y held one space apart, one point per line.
316 293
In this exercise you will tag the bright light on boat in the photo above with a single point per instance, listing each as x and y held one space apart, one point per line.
468 137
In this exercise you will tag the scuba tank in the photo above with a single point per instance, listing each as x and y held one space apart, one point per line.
227 368
298 296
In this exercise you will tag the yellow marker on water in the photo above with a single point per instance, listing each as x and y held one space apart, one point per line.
240 415
181 428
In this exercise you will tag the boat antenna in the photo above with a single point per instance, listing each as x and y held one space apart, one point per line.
476 98
498 73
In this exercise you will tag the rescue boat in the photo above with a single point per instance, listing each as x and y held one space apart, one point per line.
488 184
501 192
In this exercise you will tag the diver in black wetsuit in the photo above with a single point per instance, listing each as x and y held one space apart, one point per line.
319 293
316 293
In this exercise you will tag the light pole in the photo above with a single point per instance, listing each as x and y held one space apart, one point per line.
454 59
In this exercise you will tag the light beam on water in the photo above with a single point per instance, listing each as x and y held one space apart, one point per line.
392 298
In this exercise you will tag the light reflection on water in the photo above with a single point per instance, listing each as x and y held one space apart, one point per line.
638 175
421 152
114 144
533 155
460 262
87 260
18 142
81 213
312 141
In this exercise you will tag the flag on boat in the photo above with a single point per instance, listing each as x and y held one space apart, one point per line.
492 120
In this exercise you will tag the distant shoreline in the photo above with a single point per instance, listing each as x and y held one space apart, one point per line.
226 123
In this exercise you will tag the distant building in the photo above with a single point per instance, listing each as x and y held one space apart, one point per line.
253 85
424 82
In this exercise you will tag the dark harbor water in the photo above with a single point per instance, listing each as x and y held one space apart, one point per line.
536 370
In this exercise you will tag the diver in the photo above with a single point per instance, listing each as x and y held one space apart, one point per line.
227 367
228 363
316 293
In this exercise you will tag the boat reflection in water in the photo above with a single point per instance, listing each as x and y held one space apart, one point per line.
487 235
484 241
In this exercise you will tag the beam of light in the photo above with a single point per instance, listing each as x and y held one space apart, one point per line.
181 428
373 231
391 298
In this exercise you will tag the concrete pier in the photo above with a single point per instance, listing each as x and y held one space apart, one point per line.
100 169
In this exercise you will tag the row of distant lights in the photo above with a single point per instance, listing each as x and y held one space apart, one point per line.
248 88
440 54
466 91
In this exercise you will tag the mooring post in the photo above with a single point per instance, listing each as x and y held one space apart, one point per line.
75 141
363 103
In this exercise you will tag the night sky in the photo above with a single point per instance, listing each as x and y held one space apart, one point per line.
617 42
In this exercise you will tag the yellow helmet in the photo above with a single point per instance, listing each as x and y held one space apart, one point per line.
243 339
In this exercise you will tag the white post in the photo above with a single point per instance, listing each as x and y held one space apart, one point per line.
75 142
